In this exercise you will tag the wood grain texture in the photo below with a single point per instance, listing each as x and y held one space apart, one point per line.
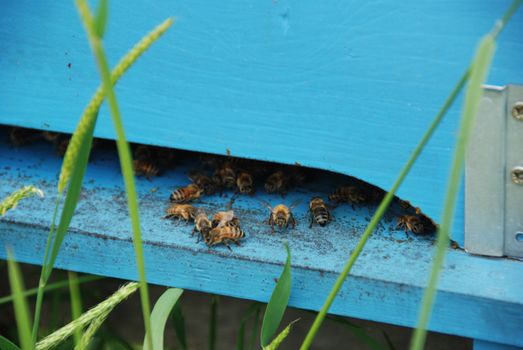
346 85
478 297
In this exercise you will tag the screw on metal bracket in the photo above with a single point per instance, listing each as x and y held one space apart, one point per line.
517 110
517 175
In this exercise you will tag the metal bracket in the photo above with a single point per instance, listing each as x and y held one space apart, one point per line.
494 175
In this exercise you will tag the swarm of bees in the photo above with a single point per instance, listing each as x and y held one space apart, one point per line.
241 176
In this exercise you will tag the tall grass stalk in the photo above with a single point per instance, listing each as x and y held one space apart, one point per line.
51 287
382 208
124 156
87 317
480 67
76 301
23 323
81 137
390 195
11 201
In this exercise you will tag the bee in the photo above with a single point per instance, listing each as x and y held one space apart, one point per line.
225 235
281 216
144 167
181 211
61 145
143 152
223 218
245 182
411 223
22 136
276 183
225 175
319 212
202 224
204 182
348 194
186 194
51 136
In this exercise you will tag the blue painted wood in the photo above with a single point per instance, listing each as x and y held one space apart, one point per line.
347 85
478 297
483 345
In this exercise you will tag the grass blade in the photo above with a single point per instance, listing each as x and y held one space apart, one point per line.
480 67
6 344
88 334
23 324
360 333
277 304
252 310
76 302
178 321
124 156
161 311
11 201
101 18
51 287
275 344
105 307
212 322
382 208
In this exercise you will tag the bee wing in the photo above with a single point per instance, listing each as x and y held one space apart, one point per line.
265 203
193 175
295 204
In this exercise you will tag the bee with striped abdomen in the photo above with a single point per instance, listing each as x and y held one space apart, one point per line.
319 212
245 182
225 175
202 224
223 218
186 194
348 194
411 223
144 167
281 216
276 183
225 234
207 184
181 211
22 136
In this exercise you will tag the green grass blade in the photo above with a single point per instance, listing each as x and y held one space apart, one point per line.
277 304
105 307
382 208
360 333
88 334
51 287
124 156
23 324
161 311
6 344
480 67
76 302
275 344
253 308
212 321
11 201
178 321
254 330
101 18
388 340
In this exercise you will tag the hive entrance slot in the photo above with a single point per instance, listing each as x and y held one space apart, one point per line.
253 190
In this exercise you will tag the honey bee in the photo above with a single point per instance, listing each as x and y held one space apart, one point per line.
223 218
202 224
276 183
22 136
348 194
186 194
410 223
281 216
319 212
204 182
225 234
181 211
245 182
225 175
143 152
145 167
51 136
